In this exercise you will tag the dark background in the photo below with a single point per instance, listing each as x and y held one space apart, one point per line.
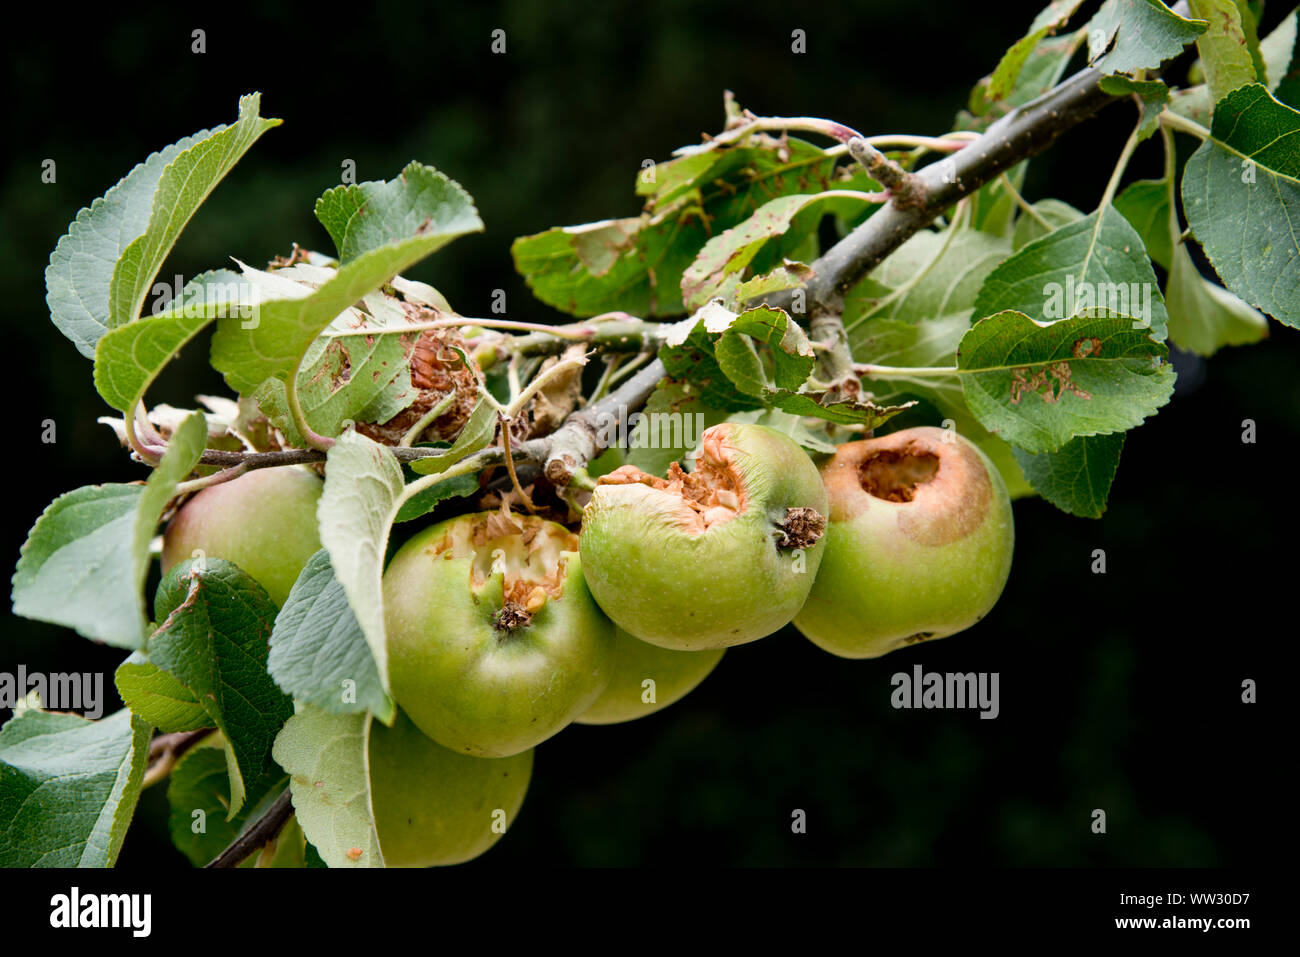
1118 691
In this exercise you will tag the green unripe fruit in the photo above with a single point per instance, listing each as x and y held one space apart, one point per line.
641 671
264 522
723 555
494 642
433 806
919 545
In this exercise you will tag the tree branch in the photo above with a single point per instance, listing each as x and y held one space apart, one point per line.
256 837
1022 133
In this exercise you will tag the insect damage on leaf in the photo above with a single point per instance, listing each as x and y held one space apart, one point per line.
1051 382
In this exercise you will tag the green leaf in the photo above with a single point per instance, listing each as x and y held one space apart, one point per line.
319 654
1077 477
1054 211
636 264
129 358
1281 65
85 560
815 441
1040 385
274 343
1145 204
475 435
1129 35
159 698
356 510
199 822
1092 264
1153 94
1203 316
1049 20
215 625
186 182
68 787
1041 70
1241 194
325 756
833 408
422 503
721 264
1225 47
80 279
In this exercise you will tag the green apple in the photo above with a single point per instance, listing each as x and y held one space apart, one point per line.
919 545
264 522
644 678
494 642
433 806
716 557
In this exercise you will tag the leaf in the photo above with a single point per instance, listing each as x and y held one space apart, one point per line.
1129 35
1203 316
159 698
1049 20
1241 194
215 625
1040 385
362 484
81 272
68 787
1225 49
790 352
424 502
197 793
721 264
476 435
1054 211
833 408
636 264
129 358
273 345
186 182
1042 69
949 285
816 442
1277 50
1152 93
85 560
1092 264
1077 477
319 654
325 756
1145 204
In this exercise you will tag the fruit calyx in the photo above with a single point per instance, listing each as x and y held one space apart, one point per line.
528 553
802 528
710 495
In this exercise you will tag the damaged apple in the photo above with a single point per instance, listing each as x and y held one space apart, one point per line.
719 556
494 642
919 545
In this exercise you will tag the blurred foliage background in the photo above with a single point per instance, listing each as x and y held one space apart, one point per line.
1118 691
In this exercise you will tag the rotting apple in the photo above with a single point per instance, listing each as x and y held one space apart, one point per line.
433 806
494 642
919 544
264 522
716 557
644 678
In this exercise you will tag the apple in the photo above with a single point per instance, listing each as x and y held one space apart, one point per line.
494 642
644 678
264 522
919 544
433 806
716 557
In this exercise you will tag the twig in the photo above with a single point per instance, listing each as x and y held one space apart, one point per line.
166 749
261 833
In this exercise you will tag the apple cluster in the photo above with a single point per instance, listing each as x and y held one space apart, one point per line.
504 629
